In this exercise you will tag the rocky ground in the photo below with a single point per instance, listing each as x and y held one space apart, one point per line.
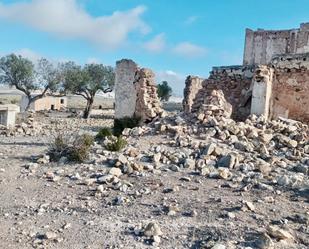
181 182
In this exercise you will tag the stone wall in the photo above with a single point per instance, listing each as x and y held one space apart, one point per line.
290 91
135 92
148 105
262 45
235 82
193 85
45 103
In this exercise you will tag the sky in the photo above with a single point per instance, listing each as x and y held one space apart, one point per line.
174 38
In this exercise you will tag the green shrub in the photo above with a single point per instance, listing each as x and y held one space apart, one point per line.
78 154
104 132
126 122
59 142
117 144
86 140
75 148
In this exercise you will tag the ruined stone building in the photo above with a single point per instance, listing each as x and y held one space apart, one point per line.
135 92
45 103
273 80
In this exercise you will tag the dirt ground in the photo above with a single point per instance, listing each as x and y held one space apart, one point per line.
36 212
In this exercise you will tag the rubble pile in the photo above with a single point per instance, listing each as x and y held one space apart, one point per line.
234 81
255 155
147 103
215 105
253 164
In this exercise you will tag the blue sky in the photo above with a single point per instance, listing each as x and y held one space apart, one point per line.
175 38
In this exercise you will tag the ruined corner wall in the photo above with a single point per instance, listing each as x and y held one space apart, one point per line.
262 45
148 105
192 86
290 87
235 82
135 92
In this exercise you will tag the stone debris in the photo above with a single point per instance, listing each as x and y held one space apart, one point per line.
279 234
264 242
220 181
40 124
215 104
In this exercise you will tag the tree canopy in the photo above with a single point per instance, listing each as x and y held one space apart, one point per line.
164 91
26 77
18 72
50 78
87 81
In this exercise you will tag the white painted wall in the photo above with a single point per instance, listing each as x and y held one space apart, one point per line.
125 92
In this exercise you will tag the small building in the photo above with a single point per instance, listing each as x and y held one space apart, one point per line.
45 103
8 115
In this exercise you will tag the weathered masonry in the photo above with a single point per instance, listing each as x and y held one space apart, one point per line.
262 45
135 92
45 103
274 80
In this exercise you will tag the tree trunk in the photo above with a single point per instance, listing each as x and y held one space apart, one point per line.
88 108
30 100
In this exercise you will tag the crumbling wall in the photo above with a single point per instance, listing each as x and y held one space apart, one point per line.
268 83
262 45
290 97
235 83
148 105
135 92
216 105
193 85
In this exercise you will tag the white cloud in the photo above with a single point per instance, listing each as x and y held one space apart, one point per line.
191 19
66 18
189 50
29 54
174 79
157 44
92 60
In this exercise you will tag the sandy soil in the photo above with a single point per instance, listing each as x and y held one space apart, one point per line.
73 215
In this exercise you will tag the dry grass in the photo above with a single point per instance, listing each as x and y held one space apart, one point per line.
79 102
10 99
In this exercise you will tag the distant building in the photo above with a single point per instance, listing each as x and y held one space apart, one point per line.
45 103
262 45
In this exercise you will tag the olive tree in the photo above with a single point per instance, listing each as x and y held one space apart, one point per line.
22 74
87 81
